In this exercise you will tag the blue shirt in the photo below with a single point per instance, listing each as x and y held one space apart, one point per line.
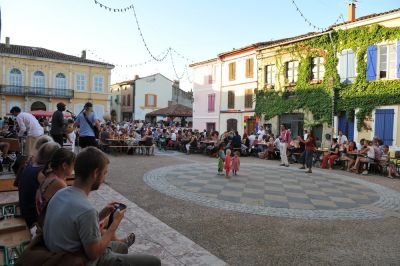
84 129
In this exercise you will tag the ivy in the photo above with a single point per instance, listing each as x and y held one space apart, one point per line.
362 94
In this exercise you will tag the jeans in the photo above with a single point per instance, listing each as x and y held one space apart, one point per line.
117 254
309 158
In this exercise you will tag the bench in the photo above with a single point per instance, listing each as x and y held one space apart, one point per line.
136 149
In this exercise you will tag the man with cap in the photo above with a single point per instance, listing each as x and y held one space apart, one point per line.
57 124
88 126
28 125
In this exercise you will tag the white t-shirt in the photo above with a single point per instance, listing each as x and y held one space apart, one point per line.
173 136
342 140
29 124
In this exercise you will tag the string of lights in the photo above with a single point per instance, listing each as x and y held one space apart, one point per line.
162 55
179 77
309 22
159 58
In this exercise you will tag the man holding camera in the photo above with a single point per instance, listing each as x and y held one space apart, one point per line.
72 224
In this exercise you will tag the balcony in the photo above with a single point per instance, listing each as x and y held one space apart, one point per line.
35 92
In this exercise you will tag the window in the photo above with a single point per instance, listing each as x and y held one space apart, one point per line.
98 110
387 61
248 99
80 82
128 100
231 124
211 102
61 81
317 68
38 79
98 83
210 127
347 66
123 100
249 68
231 100
270 73
291 71
78 108
15 77
150 100
232 71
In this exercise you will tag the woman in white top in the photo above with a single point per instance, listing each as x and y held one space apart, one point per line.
369 153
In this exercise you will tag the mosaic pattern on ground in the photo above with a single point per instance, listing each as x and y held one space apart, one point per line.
276 191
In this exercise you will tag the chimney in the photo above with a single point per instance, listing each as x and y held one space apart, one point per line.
8 42
351 12
83 55
136 77
176 84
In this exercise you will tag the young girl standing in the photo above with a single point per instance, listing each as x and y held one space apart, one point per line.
228 162
221 159
235 163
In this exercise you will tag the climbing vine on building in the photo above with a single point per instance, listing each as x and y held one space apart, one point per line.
362 95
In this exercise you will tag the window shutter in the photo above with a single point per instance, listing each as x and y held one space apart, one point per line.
398 59
351 66
342 66
155 100
146 100
251 70
233 71
372 53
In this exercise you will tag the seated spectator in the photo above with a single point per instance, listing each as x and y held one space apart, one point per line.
350 154
191 144
72 224
53 177
332 155
369 156
385 162
236 142
28 184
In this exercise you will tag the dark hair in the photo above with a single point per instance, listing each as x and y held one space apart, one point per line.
15 109
59 157
88 105
87 161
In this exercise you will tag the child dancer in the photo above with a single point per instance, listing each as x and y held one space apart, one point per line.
228 162
235 163
221 159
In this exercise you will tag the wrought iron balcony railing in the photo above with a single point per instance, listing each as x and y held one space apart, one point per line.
33 91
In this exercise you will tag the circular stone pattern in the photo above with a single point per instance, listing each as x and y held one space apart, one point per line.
276 191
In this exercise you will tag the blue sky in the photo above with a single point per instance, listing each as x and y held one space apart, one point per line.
197 29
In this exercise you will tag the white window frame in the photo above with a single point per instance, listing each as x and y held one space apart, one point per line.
38 81
58 84
292 71
97 85
80 82
270 74
391 73
355 64
317 68
15 79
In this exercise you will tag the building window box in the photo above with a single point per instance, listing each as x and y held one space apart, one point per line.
312 82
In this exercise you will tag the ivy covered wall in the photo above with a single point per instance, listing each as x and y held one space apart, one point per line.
317 98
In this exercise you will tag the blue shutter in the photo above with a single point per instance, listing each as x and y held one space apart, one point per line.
350 129
342 124
384 119
372 53
388 131
398 59
351 66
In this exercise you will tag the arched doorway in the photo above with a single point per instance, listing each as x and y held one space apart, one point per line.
38 106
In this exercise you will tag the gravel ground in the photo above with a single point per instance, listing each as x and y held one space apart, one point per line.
244 239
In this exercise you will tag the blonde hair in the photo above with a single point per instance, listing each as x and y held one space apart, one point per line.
228 152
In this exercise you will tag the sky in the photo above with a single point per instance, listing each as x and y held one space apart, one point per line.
197 29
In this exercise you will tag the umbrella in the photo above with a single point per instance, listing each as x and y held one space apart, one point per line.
46 113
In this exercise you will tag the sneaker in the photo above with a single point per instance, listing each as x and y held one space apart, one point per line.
302 167
309 171
365 172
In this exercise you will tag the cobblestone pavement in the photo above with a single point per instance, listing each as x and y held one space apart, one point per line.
241 238
276 191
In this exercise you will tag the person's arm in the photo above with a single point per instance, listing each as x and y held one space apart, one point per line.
95 249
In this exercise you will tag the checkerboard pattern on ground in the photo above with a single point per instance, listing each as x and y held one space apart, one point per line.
277 191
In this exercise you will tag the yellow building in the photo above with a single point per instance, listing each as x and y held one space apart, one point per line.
346 78
36 78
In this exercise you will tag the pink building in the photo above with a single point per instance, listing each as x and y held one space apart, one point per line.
206 94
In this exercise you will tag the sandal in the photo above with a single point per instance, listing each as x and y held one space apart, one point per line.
129 240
